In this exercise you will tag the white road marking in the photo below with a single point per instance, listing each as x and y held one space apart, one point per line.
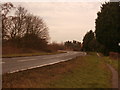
51 57
2 62
49 63
20 57
26 60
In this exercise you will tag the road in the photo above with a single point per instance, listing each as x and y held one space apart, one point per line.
11 65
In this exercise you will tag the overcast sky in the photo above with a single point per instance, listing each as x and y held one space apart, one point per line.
66 20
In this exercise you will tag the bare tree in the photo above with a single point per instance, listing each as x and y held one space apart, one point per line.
18 23
36 32
5 9
23 28
36 25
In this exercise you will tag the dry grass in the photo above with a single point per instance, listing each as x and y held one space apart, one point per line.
38 77
81 72
10 51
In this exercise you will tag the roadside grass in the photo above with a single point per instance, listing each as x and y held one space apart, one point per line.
82 72
92 74
112 62
29 54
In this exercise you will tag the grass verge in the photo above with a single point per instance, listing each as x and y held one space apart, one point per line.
112 62
82 72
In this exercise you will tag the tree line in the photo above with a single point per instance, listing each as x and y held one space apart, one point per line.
106 37
22 29
25 30
73 45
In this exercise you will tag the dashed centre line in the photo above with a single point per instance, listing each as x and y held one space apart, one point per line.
26 60
51 63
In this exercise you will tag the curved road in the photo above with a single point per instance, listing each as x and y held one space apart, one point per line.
11 65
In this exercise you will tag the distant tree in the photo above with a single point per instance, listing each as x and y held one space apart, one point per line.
68 45
91 44
108 26
86 41
76 45
73 45
54 46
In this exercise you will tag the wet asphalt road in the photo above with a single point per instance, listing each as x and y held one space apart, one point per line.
11 65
